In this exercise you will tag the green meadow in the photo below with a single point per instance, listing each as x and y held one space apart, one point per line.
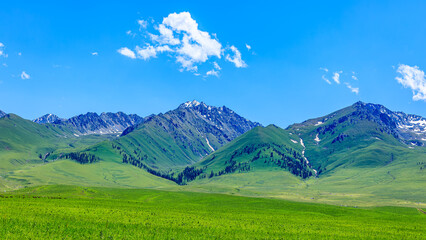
69 212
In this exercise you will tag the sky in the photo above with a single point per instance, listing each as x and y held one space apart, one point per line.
277 62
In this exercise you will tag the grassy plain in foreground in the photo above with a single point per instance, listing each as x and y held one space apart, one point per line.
70 212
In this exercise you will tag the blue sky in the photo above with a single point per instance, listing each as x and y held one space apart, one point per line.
47 63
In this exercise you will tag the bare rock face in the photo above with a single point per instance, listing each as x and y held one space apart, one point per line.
48 118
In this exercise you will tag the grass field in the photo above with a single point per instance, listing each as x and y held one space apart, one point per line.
67 212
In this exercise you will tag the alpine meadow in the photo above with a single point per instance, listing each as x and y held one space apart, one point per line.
188 120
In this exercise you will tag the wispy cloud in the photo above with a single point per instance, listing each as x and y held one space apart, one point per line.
94 53
353 89
213 73
413 78
25 75
2 54
336 76
142 24
325 79
248 47
324 69
354 77
236 58
179 35
127 52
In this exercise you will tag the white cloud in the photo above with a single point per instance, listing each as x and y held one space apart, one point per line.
213 73
127 52
326 79
94 53
146 53
336 77
414 78
324 69
151 51
166 36
2 50
248 47
142 24
180 36
197 46
353 89
193 46
19 54
25 75
239 63
216 66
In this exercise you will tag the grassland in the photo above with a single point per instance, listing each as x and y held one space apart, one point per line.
68 212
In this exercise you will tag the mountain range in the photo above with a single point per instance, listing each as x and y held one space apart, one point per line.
92 123
362 149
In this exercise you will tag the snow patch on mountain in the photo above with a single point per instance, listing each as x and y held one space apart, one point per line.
210 146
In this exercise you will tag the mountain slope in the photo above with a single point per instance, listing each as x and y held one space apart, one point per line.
92 123
2 114
362 155
25 142
261 148
177 138
371 130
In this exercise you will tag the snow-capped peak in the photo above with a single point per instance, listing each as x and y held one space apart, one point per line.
192 103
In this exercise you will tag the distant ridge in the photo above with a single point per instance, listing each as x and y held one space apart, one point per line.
92 123
48 118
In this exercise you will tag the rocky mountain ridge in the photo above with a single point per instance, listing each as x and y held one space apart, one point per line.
92 123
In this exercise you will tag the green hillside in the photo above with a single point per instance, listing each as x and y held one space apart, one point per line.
359 160
350 157
25 144
22 141
259 149
171 141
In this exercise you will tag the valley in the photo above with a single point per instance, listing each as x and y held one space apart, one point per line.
357 156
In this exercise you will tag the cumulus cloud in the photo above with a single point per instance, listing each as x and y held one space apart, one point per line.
353 89
336 77
25 75
180 36
413 78
236 59
127 52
